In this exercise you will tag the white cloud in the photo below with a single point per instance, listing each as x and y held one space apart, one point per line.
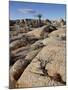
26 10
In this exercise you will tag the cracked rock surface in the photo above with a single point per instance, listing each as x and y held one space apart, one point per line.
32 75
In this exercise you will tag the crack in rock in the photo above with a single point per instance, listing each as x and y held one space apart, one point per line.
56 77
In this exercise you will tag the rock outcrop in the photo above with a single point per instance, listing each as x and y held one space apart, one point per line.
33 76
37 54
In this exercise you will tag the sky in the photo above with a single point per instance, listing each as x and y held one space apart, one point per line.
23 10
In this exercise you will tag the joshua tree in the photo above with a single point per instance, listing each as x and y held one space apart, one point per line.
39 17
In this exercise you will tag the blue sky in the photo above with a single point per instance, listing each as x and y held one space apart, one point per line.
21 10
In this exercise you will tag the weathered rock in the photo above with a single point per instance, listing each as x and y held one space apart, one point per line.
53 41
17 44
16 37
17 54
32 54
36 33
33 76
19 67
59 34
32 47
56 55
37 57
16 71
38 44
20 53
42 32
